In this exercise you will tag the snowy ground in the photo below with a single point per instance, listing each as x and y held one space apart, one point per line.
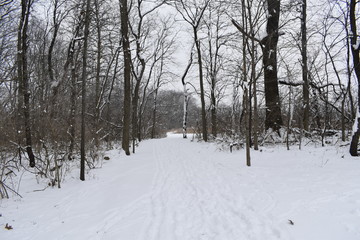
174 189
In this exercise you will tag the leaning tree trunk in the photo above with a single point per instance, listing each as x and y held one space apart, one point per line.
355 49
23 78
273 118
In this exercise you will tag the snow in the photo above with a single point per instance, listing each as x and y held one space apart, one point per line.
174 188
270 68
356 45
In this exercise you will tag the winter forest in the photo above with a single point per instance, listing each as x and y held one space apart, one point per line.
152 83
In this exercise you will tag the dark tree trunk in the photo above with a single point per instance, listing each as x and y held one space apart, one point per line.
98 70
23 79
202 92
246 99
72 61
135 125
54 82
272 97
73 96
83 90
306 101
153 127
127 76
355 49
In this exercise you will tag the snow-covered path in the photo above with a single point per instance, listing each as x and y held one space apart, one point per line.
191 199
174 189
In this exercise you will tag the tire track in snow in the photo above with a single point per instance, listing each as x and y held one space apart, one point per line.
192 200
229 212
157 207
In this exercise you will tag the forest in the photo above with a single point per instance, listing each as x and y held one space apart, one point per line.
78 76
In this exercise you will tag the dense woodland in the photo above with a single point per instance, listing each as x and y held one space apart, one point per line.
78 76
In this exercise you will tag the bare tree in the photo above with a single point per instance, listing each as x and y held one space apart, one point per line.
355 49
306 92
23 77
140 33
218 37
193 14
127 75
268 44
83 88
186 96
57 18
272 96
72 63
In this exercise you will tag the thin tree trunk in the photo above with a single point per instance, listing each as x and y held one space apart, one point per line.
246 88
72 61
186 97
306 101
247 122
135 124
97 77
83 90
153 127
54 83
73 96
255 112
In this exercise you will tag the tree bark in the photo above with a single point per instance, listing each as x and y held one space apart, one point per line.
186 97
272 97
355 49
55 84
97 76
306 101
23 78
127 76
202 92
83 90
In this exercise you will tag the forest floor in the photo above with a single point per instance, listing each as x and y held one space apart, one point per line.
175 189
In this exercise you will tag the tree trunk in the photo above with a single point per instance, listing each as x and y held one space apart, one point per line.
355 49
306 101
186 97
272 97
54 82
83 90
127 76
255 112
185 113
97 77
202 93
213 108
247 122
153 127
135 125
73 96
23 78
